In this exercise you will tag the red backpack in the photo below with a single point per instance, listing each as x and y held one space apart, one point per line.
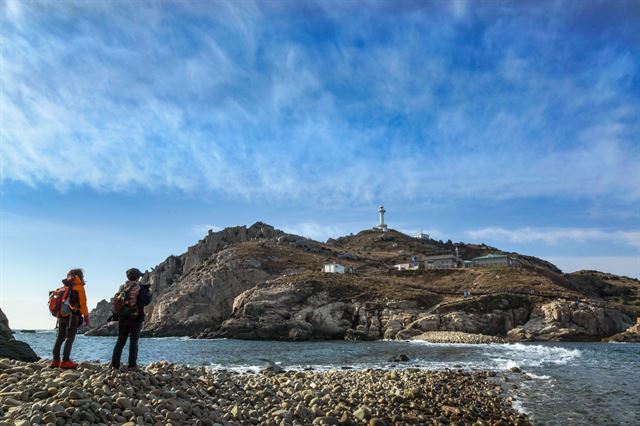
59 301
125 301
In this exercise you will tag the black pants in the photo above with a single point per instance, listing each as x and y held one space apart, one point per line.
128 327
67 328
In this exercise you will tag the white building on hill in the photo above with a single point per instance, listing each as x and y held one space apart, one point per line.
414 265
334 268
407 266
421 236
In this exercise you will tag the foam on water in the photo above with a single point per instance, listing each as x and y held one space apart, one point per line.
517 405
538 377
237 369
531 355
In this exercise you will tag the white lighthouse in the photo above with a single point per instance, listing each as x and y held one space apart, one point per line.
382 226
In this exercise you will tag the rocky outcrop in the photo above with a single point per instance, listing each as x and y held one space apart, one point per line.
101 313
491 315
5 331
287 312
100 324
382 319
12 348
195 291
304 310
630 335
202 300
99 320
217 241
570 320
175 268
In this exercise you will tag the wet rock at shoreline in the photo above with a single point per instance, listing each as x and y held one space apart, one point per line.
630 335
12 348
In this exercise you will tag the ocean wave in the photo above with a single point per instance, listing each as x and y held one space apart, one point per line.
537 377
519 407
235 368
536 355
504 363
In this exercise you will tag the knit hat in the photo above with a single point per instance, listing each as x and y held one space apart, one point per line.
133 274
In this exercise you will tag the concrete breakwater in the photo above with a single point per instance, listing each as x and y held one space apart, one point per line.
164 393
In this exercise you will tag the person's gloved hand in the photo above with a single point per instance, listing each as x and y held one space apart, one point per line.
86 320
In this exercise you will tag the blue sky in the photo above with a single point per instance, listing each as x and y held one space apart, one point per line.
130 128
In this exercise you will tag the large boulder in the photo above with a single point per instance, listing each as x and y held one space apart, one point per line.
5 331
287 312
492 315
630 335
204 298
12 348
571 320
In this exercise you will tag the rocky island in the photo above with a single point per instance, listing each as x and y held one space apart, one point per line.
259 282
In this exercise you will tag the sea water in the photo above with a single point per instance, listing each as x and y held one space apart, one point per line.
566 383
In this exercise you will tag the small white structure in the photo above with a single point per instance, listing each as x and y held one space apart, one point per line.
382 226
334 268
414 265
407 266
421 236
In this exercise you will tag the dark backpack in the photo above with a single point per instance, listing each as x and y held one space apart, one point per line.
59 301
125 302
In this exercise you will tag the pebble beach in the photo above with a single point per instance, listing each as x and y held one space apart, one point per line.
163 393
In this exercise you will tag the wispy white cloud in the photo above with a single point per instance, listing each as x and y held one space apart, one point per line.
555 236
316 231
459 8
243 99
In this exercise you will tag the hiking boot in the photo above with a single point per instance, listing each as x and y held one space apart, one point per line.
68 364
133 368
55 363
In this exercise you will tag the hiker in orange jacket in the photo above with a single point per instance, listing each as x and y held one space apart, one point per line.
68 325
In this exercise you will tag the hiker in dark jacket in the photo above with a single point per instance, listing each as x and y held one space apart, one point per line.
130 322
